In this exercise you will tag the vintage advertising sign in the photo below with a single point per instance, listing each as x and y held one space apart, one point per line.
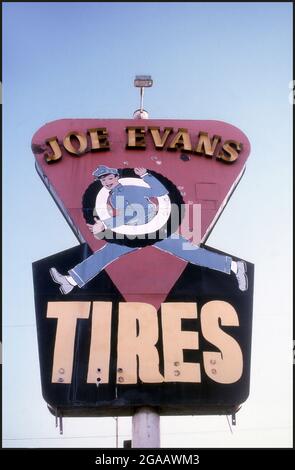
142 313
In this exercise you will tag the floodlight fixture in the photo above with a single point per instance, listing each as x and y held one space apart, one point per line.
143 81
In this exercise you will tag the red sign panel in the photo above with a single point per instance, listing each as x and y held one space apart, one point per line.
199 162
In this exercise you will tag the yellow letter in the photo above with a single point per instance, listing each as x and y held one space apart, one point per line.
136 139
160 141
175 340
53 142
137 336
82 142
181 141
67 314
205 146
100 346
99 139
232 149
224 367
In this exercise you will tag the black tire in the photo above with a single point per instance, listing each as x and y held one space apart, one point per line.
88 205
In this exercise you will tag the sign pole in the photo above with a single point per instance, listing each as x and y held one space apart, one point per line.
141 98
146 428
145 421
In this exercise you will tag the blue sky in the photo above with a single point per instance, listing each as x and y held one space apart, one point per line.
223 61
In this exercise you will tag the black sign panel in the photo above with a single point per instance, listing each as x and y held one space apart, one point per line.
221 325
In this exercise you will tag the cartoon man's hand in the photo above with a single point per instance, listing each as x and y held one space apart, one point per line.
97 228
140 171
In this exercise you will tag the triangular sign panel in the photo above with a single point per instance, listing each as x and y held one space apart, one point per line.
199 163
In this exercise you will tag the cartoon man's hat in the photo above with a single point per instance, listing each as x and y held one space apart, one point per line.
105 170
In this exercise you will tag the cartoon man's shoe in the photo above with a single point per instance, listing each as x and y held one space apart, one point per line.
241 275
64 285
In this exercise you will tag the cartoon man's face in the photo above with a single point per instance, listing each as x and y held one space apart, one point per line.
109 181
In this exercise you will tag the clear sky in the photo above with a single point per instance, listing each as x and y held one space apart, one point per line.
223 61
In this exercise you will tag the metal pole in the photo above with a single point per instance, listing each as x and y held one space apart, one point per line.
141 98
145 421
146 428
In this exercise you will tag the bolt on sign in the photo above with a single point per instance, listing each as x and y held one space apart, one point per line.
142 312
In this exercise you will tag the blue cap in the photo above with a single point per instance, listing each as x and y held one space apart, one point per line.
105 170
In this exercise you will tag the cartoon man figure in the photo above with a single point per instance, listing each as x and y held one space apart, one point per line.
125 199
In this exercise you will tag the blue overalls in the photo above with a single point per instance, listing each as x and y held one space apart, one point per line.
122 198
